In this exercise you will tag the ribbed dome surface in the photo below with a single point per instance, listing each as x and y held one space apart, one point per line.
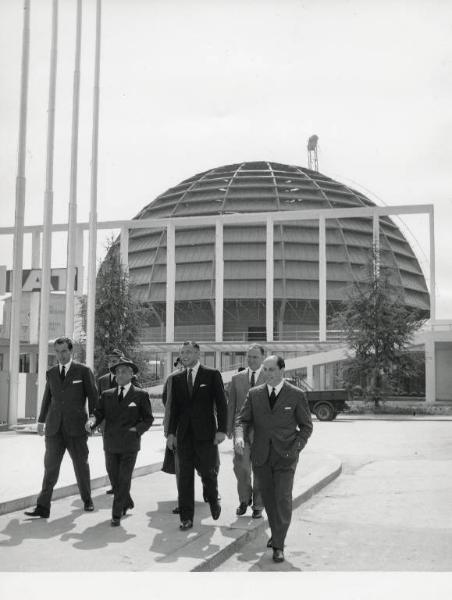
262 187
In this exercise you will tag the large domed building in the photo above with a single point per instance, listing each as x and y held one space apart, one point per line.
252 187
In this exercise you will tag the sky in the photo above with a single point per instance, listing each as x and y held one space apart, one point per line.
186 86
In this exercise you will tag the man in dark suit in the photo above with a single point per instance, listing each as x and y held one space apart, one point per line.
281 420
127 412
247 486
108 381
197 424
63 415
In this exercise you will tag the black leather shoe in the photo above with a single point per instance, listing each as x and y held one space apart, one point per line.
215 510
39 511
188 524
176 510
242 508
88 506
115 521
110 491
257 513
278 555
270 543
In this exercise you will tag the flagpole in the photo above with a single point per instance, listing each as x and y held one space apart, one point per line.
72 212
48 212
91 303
16 297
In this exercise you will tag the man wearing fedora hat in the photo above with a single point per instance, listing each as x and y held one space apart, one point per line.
108 381
126 410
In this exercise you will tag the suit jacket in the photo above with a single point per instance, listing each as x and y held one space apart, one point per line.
106 382
238 389
133 411
206 411
287 426
64 402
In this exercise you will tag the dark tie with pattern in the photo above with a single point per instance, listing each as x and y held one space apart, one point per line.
121 394
190 382
253 379
63 373
272 398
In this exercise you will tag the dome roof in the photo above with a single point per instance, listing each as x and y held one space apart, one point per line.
264 187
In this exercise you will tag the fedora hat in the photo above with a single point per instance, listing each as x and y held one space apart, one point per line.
126 363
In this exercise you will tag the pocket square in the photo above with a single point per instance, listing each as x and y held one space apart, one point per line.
287 408
203 385
132 404
77 381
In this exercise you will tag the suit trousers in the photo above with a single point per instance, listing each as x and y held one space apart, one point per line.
247 485
276 483
203 456
120 469
56 446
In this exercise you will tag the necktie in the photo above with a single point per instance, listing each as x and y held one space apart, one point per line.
121 394
272 398
253 379
190 382
63 373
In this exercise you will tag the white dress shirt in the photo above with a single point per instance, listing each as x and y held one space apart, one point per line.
126 389
277 388
66 367
256 374
194 371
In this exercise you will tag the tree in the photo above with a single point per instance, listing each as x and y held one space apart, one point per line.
378 327
118 318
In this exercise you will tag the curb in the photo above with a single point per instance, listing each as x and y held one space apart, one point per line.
72 490
314 483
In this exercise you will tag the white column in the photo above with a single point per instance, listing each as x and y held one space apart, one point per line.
18 240
79 260
48 214
92 255
35 298
72 209
430 369
322 280
170 280
432 267
219 281
124 248
376 243
218 360
269 271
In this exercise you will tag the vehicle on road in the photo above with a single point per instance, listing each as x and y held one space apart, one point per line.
324 404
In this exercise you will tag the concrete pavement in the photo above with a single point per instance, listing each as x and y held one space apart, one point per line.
389 510
149 538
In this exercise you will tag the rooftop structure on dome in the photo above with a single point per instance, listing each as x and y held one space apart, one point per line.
252 187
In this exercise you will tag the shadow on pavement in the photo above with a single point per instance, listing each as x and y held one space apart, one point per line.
19 530
171 543
98 536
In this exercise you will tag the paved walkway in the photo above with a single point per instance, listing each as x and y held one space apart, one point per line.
149 538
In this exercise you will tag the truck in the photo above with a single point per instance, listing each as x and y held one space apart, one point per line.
324 404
